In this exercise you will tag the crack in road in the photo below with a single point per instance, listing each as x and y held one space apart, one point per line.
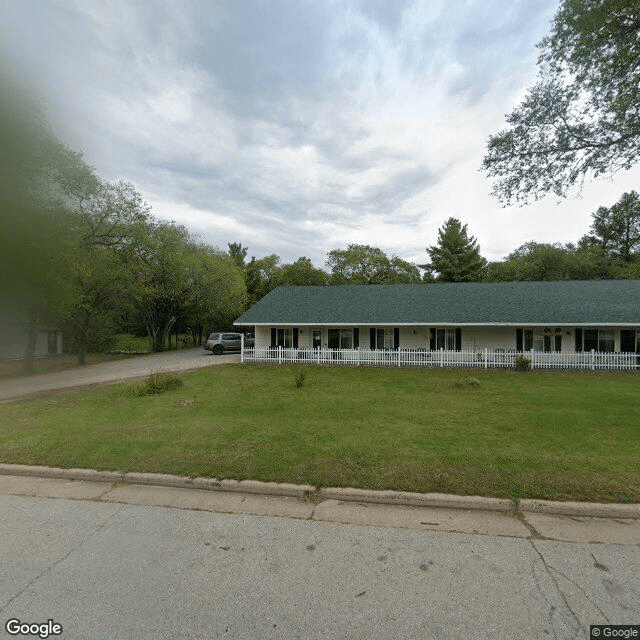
59 560
587 598
548 569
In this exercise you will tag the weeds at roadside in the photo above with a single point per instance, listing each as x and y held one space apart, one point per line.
158 382
301 376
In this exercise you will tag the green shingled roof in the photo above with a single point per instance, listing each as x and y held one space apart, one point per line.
535 303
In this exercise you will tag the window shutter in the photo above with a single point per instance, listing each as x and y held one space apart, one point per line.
458 339
432 339
295 337
372 338
519 341
578 345
396 337
356 338
273 337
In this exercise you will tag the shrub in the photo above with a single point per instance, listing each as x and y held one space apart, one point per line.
300 378
523 364
158 382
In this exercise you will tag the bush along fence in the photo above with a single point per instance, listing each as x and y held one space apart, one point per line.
478 359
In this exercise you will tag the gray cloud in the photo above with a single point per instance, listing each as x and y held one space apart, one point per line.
291 126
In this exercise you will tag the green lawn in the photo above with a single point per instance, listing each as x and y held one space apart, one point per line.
553 435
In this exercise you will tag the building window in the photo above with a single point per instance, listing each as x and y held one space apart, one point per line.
629 342
546 339
286 337
384 338
446 339
343 338
597 339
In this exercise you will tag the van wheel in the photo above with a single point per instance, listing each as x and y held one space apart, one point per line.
218 349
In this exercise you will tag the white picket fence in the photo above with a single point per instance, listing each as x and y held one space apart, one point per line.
480 359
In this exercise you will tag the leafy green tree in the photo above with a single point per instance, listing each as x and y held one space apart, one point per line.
178 282
261 276
456 257
217 292
110 215
616 229
98 293
363 264
37 175
159 262
301 272
536 261
108 221
582 117
238 253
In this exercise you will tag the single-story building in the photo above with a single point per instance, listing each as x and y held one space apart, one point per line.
564 317
14 337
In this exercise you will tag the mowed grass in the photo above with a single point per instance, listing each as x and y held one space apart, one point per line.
553 435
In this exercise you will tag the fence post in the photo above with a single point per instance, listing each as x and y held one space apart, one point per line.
241 348
593 358
532 352
280 354
486 357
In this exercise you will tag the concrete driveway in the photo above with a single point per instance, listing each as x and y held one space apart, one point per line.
111 372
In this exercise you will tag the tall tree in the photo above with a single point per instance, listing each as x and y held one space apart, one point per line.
616 229
108 222
159 263
301 272
217 292
456 257
98 289
37 175
363 264
238 253
541 261
261 276
582 117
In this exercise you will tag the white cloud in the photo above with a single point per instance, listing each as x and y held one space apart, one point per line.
298 127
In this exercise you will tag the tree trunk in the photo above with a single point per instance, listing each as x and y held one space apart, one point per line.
32 339
82 352
82 341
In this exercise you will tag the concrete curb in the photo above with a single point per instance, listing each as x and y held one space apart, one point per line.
584 509
64 474
348 494
441 500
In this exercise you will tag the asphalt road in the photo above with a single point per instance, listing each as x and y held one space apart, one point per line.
110 372
125 571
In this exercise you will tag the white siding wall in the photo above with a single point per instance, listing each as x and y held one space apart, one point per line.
477 338
417 337
263 337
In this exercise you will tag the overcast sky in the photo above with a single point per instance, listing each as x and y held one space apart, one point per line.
297 127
